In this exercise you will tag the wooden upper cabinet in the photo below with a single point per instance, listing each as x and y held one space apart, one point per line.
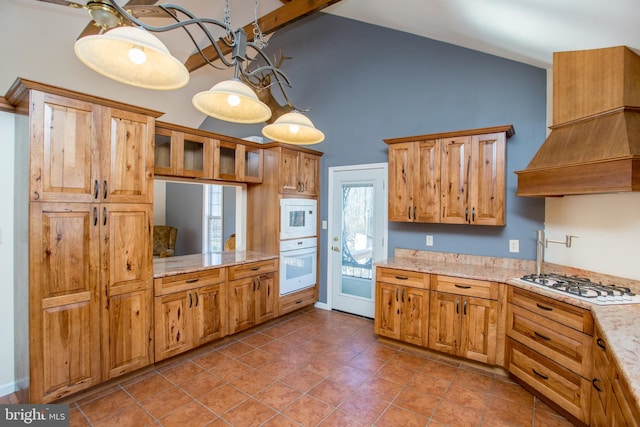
237 162
179 153
299 172
455 177
414 181
85 152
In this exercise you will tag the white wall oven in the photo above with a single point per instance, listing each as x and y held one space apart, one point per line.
298 259
298 218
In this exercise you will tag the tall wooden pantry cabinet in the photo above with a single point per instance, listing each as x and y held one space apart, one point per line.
90 265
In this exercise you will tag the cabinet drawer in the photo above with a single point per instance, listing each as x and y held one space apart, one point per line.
187 281
560 385
298 300
403 277
468 287
566 314
252 269
568 347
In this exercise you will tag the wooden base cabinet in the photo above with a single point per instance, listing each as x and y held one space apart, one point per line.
549 349
611 401
252 294
90 247
190 310
402 304
463 324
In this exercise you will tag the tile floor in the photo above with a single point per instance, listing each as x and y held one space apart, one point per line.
312 368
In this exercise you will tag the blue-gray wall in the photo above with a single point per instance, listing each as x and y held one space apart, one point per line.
184 211
366 83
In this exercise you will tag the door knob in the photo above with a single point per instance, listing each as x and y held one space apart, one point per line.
335 239
335 248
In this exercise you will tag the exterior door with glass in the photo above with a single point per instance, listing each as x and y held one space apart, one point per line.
357 235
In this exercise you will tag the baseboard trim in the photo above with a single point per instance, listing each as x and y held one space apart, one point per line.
322 306
6 389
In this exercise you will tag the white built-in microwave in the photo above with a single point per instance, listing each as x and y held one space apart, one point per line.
298 218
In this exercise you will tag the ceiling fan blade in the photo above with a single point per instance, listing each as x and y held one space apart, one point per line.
144 11
90 30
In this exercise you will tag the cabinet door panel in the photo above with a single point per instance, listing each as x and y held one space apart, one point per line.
456 166
387 320
400 183
289 171
487 194
444 322
415 307
127 163
63 135
173 328
479 330
427 182
126 334
265 298
309 173
64 300
241 305
211 313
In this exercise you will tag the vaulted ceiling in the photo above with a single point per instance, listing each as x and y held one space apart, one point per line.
38 37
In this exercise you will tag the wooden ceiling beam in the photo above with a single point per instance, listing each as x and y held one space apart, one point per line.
289 13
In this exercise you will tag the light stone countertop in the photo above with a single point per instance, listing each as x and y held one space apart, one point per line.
163 267
620 324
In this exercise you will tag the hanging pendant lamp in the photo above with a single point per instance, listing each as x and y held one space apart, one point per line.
232 101
133 56
293 128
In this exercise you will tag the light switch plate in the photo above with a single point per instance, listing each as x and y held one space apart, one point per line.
429 241
514 245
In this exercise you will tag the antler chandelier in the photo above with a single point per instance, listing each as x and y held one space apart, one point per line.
134 56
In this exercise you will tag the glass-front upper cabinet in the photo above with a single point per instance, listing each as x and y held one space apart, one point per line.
237 162
180 153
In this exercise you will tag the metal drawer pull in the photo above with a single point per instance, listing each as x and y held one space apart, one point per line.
197 299
396 294
593 382
544 308
191 280
96 189
106 189
255 268
95 216
402 278
544 377
542 336
600 343
190 300
403 296
462 286
409 212
457 306
104 215
464 306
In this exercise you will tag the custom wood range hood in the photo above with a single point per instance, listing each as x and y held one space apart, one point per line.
594 144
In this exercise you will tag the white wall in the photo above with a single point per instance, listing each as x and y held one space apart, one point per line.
7 143
608 231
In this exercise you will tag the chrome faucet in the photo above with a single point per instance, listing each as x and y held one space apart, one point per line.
539 250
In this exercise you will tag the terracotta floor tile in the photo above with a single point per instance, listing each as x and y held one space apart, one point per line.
223 398
106 405
308 411
202 384
364 406
513 413
451 414
341 419
512 392
313 362
395 416
302 379
236 349
129 416
475 380
256 358
193 414
250 413
381 388
163 403
416 401
181 372
428 383
252 382
211 360
149 386
278 395
331 392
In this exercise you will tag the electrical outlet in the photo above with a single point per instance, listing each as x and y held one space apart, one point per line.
514 245
429 240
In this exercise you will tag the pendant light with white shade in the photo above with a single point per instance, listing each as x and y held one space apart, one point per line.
134 56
